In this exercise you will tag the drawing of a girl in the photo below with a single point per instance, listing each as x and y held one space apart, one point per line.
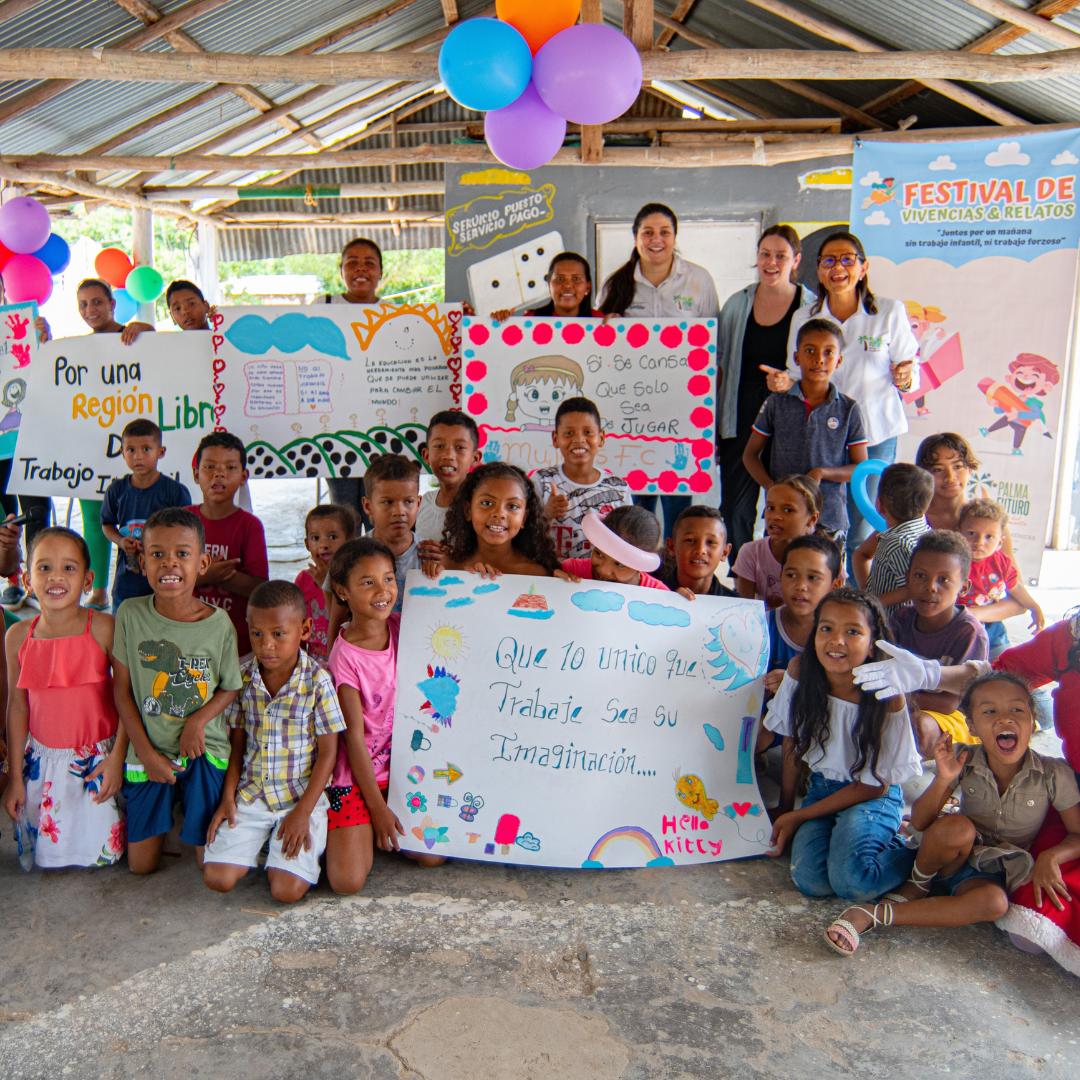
929 334
537 386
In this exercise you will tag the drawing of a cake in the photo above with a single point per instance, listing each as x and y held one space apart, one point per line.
531 605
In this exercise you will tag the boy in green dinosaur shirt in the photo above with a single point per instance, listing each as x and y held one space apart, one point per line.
175 670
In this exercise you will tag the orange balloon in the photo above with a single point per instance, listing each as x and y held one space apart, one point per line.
538 20
113 266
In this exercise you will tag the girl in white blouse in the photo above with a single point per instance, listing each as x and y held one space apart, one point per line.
859 750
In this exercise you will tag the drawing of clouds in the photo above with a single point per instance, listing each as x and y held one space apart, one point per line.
426 590
657 614
460 601
290 333
489 587
528 842
1007 153
597 600
451 581
878 217
942 161
870 179
1066 157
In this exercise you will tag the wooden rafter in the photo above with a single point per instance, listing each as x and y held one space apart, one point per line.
989 42
638 23
939 81
450 11
11 8
680 14
1061 36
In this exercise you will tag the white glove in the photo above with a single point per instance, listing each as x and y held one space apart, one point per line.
904 673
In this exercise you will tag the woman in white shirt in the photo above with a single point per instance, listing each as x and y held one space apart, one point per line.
879 353
658 283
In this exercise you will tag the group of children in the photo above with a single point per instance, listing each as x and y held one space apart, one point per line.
265 708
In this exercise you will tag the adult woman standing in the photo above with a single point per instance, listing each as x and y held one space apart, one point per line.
97 308
753 338
658 283
879 353
569 282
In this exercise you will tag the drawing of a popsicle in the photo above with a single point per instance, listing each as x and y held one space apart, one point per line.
506 832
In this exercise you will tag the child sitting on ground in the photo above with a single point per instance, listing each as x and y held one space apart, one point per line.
792 508
696 548
980 855
326 528
570 490
994 590
175 670
624 549
235 542
880 563
284 734
131 499
933 626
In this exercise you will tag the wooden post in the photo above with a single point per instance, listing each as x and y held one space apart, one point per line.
637 23
207 263
142 251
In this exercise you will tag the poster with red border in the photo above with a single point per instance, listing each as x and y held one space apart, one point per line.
653 380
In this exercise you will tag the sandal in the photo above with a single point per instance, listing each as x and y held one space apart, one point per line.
850 934
921 882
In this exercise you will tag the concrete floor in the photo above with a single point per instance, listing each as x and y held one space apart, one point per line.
481 972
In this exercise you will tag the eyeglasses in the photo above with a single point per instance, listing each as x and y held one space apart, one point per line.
846 261
560 279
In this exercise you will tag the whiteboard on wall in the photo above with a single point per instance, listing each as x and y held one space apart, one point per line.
727 249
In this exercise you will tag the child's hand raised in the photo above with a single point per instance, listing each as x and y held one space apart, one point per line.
386 826
219 571
294 832
226 812
947 764
557 505
778 382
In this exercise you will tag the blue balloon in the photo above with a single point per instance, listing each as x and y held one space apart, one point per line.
485 64
54 253
127 307
863 471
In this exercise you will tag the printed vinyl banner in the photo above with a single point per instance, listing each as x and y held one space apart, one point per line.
652 379
18 345
81 392
317 391
979 239
579 725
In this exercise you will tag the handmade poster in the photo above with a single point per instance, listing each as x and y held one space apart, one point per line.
320 391
653 381
81 392
18 344
979 239
578 725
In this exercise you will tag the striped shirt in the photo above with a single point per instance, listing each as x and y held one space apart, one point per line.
889 567
282 731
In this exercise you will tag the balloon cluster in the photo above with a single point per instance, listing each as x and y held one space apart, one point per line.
132 285
30 252
532 69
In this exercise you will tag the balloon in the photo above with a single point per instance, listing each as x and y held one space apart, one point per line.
24 225
5 254
55 253
484 64
589 73
526 134
538 20
862 472
113 266
126 306
144 284
26 277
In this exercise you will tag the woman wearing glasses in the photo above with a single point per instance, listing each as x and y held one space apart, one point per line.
879 353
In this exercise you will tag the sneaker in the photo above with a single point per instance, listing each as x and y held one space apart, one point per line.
13 597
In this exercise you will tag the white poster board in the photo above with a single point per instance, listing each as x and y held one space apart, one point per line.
18 346
579 725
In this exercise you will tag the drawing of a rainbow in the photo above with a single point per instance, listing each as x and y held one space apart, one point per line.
642 837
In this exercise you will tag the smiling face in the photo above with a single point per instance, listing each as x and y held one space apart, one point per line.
188 311
370 591
578 438
219 474
786 513
818 356
172 559
142 454
935 579
1000 714
96 308
451 453
776 261
539 401
982 534
392 506
361 271
496 510
655 240
57 574
950 472
1029 379
276 634
568 285
805 580
844 637
837 278
699 545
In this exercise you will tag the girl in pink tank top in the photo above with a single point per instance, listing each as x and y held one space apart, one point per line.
65 759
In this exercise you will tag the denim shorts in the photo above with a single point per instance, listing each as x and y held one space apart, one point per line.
967 872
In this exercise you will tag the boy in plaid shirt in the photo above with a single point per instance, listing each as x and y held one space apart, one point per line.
284 732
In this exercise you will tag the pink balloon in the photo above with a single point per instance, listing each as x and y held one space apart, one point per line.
27 278
526 134
589 73
24 225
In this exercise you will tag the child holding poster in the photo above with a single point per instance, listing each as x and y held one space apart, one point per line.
859 750
623 549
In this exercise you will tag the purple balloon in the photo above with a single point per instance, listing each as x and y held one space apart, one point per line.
526 134
24 225
589 74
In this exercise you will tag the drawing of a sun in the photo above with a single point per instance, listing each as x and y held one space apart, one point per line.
448 642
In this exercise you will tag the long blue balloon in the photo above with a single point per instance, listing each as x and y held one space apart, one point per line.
485 64
863 471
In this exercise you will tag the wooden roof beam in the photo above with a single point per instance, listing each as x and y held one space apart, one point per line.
12 8
450 11
1061 36
680 14
637 23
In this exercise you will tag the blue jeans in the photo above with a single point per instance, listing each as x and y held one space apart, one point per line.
673 506
855 854
859 529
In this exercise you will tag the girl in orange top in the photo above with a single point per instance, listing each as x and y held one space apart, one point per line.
65 756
